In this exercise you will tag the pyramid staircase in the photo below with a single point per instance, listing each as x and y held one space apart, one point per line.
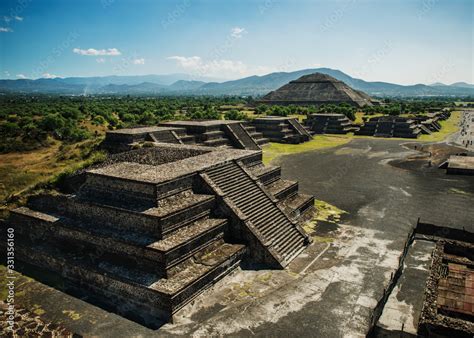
275 230
257 136
241 137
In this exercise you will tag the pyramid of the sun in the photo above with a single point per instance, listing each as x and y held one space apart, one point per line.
316 89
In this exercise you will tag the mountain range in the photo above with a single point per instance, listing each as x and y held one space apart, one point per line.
185 84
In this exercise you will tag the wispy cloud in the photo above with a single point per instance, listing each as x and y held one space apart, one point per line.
140 61
100 60
21 76
237 32
97 52
49 76
216 67
6 30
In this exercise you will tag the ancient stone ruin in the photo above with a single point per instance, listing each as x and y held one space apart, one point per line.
317 89
147 230
282 129
390 126
458 165
211 133
329 124
448 308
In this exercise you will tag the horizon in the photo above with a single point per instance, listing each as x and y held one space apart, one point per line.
234 40
225 80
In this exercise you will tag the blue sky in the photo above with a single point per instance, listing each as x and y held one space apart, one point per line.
406 42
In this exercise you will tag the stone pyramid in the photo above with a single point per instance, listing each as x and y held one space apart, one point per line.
317 89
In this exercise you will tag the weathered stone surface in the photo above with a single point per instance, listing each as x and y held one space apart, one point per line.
145 232
316 89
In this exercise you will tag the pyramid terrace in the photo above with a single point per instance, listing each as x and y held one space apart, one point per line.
147 230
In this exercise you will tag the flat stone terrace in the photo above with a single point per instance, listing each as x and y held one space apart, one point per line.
141 130
201 123
461 163
161 173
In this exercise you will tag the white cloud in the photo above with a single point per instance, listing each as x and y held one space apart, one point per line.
18 18
97 52
7 19
100 60
5 30
49 76
217 67
139 61
20 76
237 32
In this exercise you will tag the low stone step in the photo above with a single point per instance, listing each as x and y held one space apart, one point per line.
212 135
160 221
282 189
133 287
266 174
164 253
262 140
250 129
297 205
187 139
217 142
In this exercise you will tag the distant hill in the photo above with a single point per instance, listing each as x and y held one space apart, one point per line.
185 84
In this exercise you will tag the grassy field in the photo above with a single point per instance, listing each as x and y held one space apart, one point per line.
272 150
448 127
22 171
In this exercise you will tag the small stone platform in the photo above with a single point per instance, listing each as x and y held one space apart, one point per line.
210 133
282 129
459 165
329 124
390 126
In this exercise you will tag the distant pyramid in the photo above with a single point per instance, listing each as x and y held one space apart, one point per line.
317 89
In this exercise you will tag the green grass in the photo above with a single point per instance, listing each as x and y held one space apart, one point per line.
272 151
448 127
23 172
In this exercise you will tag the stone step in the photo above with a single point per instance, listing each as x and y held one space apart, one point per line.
212 135
293 249
282 189
134 287
252 201
217 142
151 250
251 129
266 174
160 221
187 139
286 240
297 205
263 140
